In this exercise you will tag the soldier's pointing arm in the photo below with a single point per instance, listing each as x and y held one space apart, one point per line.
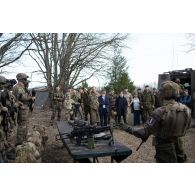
150 127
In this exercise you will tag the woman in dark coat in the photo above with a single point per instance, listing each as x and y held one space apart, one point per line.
121 107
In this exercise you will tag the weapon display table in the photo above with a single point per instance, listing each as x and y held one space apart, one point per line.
117 151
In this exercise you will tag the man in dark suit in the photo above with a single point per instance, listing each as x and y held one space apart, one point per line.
103 108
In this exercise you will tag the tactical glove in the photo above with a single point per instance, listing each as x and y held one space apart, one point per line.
141 133
127 128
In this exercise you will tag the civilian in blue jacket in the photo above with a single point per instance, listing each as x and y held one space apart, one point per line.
186 99
103 108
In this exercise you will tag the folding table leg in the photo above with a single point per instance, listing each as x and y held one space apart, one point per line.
112 159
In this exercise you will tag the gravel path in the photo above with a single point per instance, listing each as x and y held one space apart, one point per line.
56 153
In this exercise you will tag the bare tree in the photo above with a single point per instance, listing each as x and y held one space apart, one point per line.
12 47
69 59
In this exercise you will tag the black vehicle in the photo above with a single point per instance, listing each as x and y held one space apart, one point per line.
187 79
186 76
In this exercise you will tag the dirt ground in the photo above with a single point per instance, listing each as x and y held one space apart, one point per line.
56 153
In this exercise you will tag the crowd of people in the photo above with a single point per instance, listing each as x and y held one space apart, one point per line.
100 108
106 107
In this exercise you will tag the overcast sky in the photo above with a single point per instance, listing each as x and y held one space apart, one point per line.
153 54
147 56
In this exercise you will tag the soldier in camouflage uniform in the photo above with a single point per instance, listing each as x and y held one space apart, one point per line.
23 99
177 80
168 124
7 150
112 110
147 103
77 104
128 96
5 110
9 101
58 99
68 107
94 106
139 93
85 103
156 98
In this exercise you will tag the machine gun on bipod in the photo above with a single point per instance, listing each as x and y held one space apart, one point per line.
82 132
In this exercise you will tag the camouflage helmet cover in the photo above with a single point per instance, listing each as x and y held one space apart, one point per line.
2 79
21 76
169 89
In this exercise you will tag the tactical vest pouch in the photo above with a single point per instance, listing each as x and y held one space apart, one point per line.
165 153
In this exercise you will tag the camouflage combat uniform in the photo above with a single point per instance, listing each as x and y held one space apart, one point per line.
12 105
2 133
23 99
58 99
77 110
147 103
128 97
112 109
86 105
168 124
68 108
181 90
94 106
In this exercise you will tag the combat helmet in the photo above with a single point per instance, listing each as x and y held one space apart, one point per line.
21 76
169 89
2 80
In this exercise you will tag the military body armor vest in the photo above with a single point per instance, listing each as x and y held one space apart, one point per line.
175 120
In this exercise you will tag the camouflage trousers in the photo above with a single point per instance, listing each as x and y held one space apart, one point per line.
68 115
146 112
86 112
94 116
180 149
22 130
112 115
57 109
172 152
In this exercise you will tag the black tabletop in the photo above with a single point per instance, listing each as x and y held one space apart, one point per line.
102 148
